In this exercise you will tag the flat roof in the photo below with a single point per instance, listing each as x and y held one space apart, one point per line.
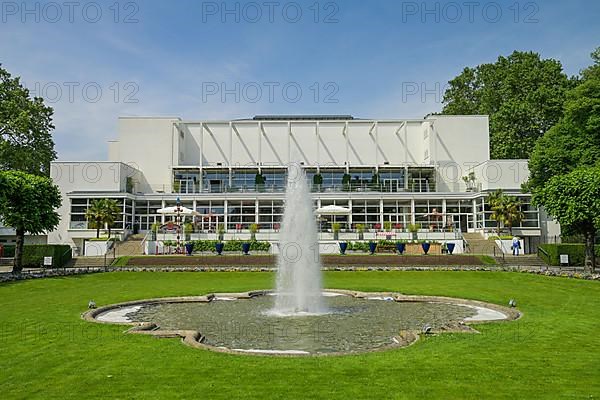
302 117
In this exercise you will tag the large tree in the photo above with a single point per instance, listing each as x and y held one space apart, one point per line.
25 125
574 200
27 204
522 93
564 168
575 140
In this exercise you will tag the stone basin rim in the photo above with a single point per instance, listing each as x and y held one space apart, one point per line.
194 338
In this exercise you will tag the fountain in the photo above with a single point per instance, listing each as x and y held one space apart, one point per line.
299 318
299 290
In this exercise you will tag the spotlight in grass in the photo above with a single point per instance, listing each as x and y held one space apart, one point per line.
426 329
91 304
512 303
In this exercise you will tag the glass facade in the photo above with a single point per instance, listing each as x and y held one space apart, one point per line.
432 215
79 207
385 179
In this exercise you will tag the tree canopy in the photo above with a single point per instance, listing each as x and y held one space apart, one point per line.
522 93
564 168
25 124
574 200
27 204
575 140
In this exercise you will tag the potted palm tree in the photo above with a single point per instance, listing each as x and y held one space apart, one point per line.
375 181
469 181
154 230
188 229
317 182
220 232
387 227
413 229
253 230
346 182
360 228
259 182
335 227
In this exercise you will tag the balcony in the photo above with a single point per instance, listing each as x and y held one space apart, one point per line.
219 187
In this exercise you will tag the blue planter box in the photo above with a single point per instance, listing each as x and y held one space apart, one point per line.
372 247
401 247
219 248
425 247
343 247
246 248
450 247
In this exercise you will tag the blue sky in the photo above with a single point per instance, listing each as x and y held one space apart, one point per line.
97 60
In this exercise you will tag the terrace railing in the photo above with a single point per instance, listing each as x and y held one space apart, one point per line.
315 188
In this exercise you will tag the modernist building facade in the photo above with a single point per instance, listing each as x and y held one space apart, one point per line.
389 173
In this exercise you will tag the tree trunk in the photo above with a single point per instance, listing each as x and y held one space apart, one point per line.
97 229
18 261
590 257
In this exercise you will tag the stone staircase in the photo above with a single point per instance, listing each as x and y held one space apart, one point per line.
479 245
525 260
85 262
130 247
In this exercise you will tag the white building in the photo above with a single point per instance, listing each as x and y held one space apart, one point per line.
389 173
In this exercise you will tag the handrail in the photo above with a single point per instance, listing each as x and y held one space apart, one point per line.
546 257
144 240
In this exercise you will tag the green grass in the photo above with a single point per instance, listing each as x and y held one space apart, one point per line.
553 351
487 260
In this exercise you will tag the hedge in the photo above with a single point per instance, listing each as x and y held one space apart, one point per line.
230 245
33 254
364 246
575 251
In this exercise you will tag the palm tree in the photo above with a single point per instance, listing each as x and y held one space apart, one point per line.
94 215
514 214
111 213
494 200
102 212
506 210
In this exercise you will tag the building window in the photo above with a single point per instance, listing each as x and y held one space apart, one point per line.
244 180
391 179
215 181
366 212
421 179
270 213
240 214
332 178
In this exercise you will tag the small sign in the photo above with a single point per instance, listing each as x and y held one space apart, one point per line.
47 261
564 259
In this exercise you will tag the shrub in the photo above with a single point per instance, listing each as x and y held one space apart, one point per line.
575 251
33 254
230 245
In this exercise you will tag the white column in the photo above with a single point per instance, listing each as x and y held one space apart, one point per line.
201 157
256 210
225 214
350 215
412 211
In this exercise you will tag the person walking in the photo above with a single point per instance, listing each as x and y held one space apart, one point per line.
516 245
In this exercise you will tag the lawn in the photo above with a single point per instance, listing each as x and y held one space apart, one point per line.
553 351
